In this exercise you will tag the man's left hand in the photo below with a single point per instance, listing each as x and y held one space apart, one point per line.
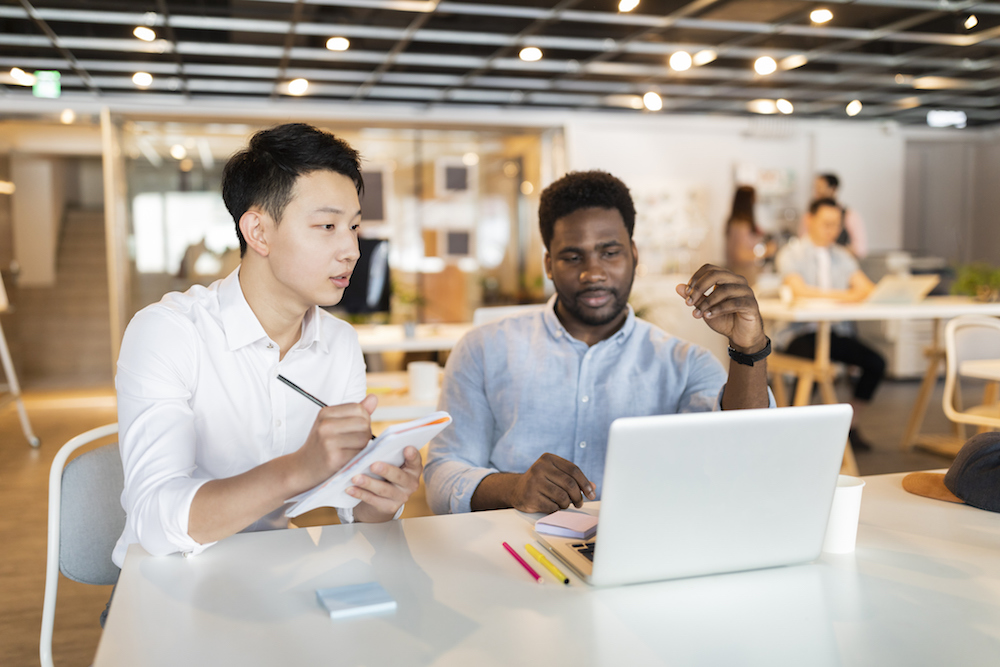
727 304
381 499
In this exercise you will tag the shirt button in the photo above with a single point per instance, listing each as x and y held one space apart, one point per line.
270 346
583 444
585 399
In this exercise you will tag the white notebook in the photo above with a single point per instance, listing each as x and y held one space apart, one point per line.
355 600
388 447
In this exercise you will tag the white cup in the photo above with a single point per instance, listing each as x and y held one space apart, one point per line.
423 377
842 527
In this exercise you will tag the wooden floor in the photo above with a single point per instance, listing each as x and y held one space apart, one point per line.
58 416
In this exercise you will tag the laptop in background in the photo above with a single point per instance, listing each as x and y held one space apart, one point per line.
903 289
711 492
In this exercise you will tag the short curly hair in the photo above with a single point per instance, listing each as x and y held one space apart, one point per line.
583 189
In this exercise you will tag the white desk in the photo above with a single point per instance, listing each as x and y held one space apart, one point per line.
824 313
394 400
427 338
923 588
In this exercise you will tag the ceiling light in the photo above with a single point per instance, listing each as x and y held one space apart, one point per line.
762 106
298 86
470 159
7 188
652 101
527 188
794 61
971 22
900 79
820 15
680 61
765 65
142 79
21 77
784 106
627 5
945 118
338 44
178 152
908 102
704 57
530 54
854 108
67 117
144 33
186 165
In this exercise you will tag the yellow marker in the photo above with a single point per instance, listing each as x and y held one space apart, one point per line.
546 564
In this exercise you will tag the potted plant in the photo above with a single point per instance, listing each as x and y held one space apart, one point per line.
978 280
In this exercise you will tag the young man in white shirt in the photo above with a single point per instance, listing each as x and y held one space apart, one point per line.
212 442
816 266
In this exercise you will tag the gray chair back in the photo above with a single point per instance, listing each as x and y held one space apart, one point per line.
91 517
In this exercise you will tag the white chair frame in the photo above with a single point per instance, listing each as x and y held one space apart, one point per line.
979 415
52 552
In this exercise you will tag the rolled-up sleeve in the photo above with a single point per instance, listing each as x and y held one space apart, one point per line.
459 457
157 366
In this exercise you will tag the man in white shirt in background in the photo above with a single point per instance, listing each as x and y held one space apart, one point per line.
815 266
853 234
212 442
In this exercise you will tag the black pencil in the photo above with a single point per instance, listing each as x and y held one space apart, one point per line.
302 391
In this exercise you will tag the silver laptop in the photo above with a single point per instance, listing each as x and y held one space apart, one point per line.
711 492
903 289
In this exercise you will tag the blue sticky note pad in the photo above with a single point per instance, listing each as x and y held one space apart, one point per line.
356 600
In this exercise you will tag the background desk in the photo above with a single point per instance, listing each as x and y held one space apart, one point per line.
394 400
427 338
824 313
923 588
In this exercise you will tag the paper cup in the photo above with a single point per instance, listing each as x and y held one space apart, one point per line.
842 527
423 377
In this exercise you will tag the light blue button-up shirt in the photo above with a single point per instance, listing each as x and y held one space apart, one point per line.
522 386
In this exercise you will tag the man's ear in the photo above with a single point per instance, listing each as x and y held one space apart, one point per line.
548 264
635 254
253 226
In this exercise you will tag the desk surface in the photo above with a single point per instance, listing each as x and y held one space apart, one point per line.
923 587
819 310
427 338
394 400
984 369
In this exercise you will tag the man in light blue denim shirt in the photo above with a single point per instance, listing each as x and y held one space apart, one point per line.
533 396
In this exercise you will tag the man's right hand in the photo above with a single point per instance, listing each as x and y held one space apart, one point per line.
551 483
337 435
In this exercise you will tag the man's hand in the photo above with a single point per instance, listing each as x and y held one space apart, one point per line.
337 435
551 483
381 499
727 304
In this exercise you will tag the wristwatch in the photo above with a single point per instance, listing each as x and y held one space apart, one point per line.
750 359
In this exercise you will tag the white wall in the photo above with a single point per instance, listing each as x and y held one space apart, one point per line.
697 150
37 207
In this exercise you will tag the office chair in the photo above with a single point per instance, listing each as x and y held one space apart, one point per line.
85 520
971 338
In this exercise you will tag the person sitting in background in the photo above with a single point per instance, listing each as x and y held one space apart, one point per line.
533 395
746 246
852 233
814 266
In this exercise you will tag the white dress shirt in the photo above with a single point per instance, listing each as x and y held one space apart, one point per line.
199 399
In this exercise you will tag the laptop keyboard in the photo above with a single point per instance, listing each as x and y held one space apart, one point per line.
586 549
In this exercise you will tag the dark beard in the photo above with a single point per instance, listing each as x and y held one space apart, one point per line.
618 304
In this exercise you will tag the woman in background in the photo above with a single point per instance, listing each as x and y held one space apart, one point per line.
746 247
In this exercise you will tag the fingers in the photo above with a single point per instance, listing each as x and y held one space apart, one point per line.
399 482
579 480
369 403
727 298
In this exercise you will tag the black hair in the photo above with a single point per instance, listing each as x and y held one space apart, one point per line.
264 173
583 189
831 180
820 203
743 201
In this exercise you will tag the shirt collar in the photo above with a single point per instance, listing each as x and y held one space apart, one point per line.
243 328
558 331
